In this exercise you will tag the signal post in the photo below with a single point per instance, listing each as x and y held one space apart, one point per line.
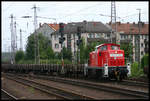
61 40
78 42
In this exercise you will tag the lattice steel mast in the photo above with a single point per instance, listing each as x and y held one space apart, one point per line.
113 21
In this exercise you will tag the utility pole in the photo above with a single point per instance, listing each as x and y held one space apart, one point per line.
12 40
21 40
35 37
15 36
138 37
113 20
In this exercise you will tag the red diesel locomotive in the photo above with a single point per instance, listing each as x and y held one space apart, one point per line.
107 61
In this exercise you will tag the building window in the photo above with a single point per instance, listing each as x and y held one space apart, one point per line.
131 36
108 35
126 36
98 35
141 44
93 35
55 37
141 52
121 36
90 36
142 36
56 46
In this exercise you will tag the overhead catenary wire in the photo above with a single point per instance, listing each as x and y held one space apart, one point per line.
76 12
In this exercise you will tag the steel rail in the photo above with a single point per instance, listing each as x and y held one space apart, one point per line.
52 90
134 83
98 87
11 97
138 94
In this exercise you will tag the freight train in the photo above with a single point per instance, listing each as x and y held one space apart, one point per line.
107 61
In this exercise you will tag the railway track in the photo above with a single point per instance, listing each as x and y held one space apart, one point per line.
122 91
58 92
7 96
90 85
134 83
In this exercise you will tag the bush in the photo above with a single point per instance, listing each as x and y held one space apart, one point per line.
26 62
55 61
135 71
19 56
145 60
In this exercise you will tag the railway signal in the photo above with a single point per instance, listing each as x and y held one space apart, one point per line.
79 35
79 41
61 40
61 31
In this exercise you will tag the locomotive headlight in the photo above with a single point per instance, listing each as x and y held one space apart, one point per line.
116 55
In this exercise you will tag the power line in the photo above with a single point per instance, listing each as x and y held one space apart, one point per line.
76 12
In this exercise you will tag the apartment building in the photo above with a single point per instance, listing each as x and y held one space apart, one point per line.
97 31
47 29
129 32
89 30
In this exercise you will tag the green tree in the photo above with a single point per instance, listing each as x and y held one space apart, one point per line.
44 47
50 53
82 51
30 48
67 54
145 60
19 56
128 50
86 49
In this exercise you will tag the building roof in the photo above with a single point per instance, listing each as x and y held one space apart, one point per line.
54 26
89 27
132 28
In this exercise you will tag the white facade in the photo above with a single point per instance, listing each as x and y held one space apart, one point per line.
56 46
142 44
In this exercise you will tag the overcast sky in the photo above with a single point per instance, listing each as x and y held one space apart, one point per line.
65 12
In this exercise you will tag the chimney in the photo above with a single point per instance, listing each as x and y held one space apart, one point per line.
133 23
127 22
119 23
143 24
110 23
40 25
84 21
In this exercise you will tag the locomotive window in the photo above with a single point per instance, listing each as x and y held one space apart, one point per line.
114 47
103 48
